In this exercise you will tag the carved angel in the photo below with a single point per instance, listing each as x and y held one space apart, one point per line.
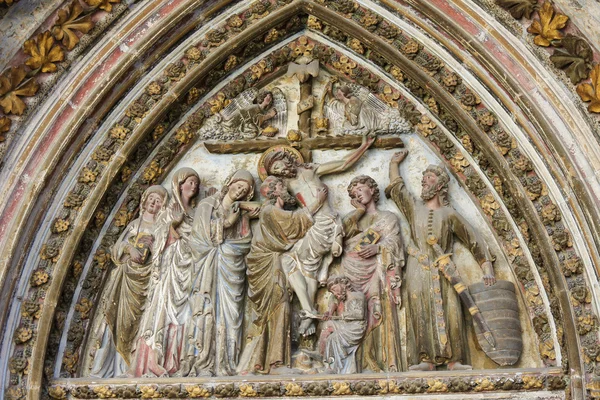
351 108
249 115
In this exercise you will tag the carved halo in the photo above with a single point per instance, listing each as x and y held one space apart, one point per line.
262 172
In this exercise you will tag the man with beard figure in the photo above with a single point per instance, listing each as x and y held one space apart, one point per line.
307 265
268 344
435 334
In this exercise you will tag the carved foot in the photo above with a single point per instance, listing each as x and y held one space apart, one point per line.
424 366
458 366
307 327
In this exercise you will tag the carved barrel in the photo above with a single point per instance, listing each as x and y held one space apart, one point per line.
499 307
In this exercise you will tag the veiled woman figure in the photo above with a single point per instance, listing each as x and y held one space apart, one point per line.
222 227
127 287
162 331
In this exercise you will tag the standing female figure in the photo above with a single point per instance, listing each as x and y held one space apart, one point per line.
163 326
126 291
223 236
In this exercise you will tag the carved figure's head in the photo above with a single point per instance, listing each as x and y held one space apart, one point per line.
338 286
274 188
435 182
239 186
185 186
281 164
264 99
364 189
154 200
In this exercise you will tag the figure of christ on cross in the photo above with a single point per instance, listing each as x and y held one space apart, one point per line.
306 265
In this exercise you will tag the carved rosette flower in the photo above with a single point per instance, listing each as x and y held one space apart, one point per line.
30 309
77 268
272 36
175 71
489 204
104 392
519 162
154 89
23 335
196 391
426 126
356 45
60 225
57 392
87 175
136 110
341 389
235 22
469 100
217 103
293 389
192 96
16 393
572 266
580 295
484 385
459 162
314 23
534 187
586 323
343 6
432 105
73 200
102 258
397 73
84 307
369 20
486 121
247 390
550 213
152 172
387 30
504 142
450 81
561 239
119 132
184 134
547 349
411 48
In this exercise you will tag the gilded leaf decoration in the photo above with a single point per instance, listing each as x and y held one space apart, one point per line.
5 123
105 5
591 91
548 26
574 57
44 53
12 87
70 21
518 8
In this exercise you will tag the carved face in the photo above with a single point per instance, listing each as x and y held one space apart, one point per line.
363 193
283 168
339 291
266 101
189 187
153 203
238 190
429 185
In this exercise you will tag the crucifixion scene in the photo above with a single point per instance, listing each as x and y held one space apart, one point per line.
313 234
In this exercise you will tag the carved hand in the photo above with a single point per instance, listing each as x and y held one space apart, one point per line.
398 157
488 273
322 194
136 255
147 240
358 205
234 214
368 251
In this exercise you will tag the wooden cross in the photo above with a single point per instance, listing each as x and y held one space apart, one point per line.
307 140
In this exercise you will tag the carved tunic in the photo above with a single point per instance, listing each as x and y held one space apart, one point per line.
269 331
380 349
435 333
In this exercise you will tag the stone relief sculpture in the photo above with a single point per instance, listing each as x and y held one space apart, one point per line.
278 231
191 312
436 333
168 314
343 327
308 264
127 288
249 115
372 261
223 235
352 108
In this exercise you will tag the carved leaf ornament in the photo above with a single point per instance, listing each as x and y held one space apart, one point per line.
69 21
574 57
591 91
43 53
12 88
547 27
518 8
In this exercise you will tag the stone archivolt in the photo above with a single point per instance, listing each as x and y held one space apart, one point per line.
160 124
